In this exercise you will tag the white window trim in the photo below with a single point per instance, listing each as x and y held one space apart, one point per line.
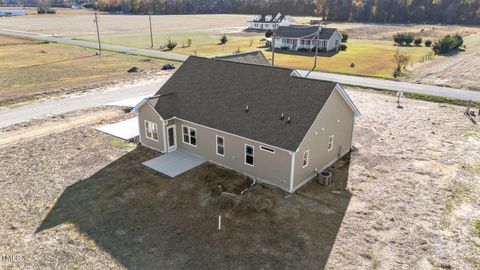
189 129
330 142
245 155
147 123
216 145
308 158
267 149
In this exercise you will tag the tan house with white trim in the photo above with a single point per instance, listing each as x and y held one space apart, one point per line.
265 122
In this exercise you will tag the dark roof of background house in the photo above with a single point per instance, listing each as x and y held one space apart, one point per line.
302 31
262 19
255 57
215 93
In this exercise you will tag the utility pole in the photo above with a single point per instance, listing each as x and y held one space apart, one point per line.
273 43
151 34
316 48
98 34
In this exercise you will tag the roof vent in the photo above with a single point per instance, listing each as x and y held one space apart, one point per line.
246 108
282 116
289 120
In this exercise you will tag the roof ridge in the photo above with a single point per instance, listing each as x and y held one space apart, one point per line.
240 63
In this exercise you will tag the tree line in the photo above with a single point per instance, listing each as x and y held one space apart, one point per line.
377 11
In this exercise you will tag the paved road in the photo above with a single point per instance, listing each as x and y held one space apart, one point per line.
396 86
94 45
78 102
345 79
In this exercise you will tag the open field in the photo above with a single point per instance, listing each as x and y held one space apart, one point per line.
73 197
370 46
29 67
458 69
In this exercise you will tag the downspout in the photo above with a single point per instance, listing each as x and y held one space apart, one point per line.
292 171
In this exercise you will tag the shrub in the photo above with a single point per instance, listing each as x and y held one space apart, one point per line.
344 36
418 41
223 39
51 11
171 45
447 43
285 48
90 5
237 51
343 47
41 10
269 33
303 50
322 50
403 38
428 43
401 60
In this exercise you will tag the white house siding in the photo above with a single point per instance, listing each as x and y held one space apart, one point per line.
335 41
336 118
271 168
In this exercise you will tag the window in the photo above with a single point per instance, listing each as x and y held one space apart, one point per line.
324 43
336 42
305 158
151 130
189 135
220 146
249 154
330 143
267 149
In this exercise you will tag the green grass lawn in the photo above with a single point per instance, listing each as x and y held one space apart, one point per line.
371 58
203 43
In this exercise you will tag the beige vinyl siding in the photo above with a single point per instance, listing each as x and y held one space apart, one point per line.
146 112
336 118
272 168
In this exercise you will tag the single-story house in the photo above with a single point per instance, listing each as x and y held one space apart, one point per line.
300 37
265 122
268 22
12 12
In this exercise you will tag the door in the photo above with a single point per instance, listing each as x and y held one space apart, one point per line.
294 47
171 138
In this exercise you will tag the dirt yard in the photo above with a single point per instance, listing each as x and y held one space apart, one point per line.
404 199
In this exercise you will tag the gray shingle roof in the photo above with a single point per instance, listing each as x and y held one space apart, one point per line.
273 20
215 93
255 57
301 31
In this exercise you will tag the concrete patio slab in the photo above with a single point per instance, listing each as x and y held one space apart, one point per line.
126 130
174 163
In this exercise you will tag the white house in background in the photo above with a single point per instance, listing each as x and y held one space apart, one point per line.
300 37
268 22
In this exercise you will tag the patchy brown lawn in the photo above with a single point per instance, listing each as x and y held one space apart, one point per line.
81 199
28 68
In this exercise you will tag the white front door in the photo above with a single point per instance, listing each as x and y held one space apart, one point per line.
171 138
